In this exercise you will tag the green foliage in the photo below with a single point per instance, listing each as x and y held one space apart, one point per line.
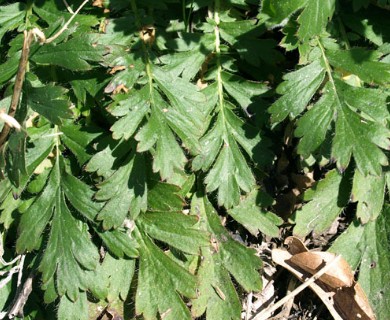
158 138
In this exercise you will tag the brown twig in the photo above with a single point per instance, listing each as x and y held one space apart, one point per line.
28 37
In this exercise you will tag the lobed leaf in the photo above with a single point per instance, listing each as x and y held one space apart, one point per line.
314 18
216 293
326 201
125 191
154 283
298 89
251 214
175 229
74 54
49 101
369 192
11 16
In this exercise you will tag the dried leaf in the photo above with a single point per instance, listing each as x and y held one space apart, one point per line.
338 290
312 262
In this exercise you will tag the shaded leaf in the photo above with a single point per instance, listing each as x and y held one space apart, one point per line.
361 62
74 54
278 10
326 201
297 89
252 215
369 192
49 101
11 16
125 191
175 229
154 283
314 18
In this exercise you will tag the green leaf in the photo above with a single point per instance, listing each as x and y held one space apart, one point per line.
109 153
298 89
252 215
34 222
360 138
186 117
115 275
322 114
69 254
243 91
233 31
239 260
15 157
217 294
80 196
314 18
77 310
159 287
367 23
9 68
369 192
216 291
168 156
49 101
137 106
74 54
125 191
362 63
164 197
191 51
175 229
211 144
11 16
244 37
326 201
278 10
367 247
52 12
78 139
230 173
360 129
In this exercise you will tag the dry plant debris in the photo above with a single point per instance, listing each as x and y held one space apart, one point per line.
337 288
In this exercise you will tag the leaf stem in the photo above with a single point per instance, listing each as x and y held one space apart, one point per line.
147 61
328 70
218 57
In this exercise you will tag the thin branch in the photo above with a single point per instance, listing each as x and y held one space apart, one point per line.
8 278
20 274
5 263
28 37
265 314
249 305
68 7
21 298
51 39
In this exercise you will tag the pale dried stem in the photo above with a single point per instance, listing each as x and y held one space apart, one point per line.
66 25
249 305
21 298
19 80
265 314
68 7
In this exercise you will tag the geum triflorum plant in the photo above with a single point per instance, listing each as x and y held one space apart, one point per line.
150 132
